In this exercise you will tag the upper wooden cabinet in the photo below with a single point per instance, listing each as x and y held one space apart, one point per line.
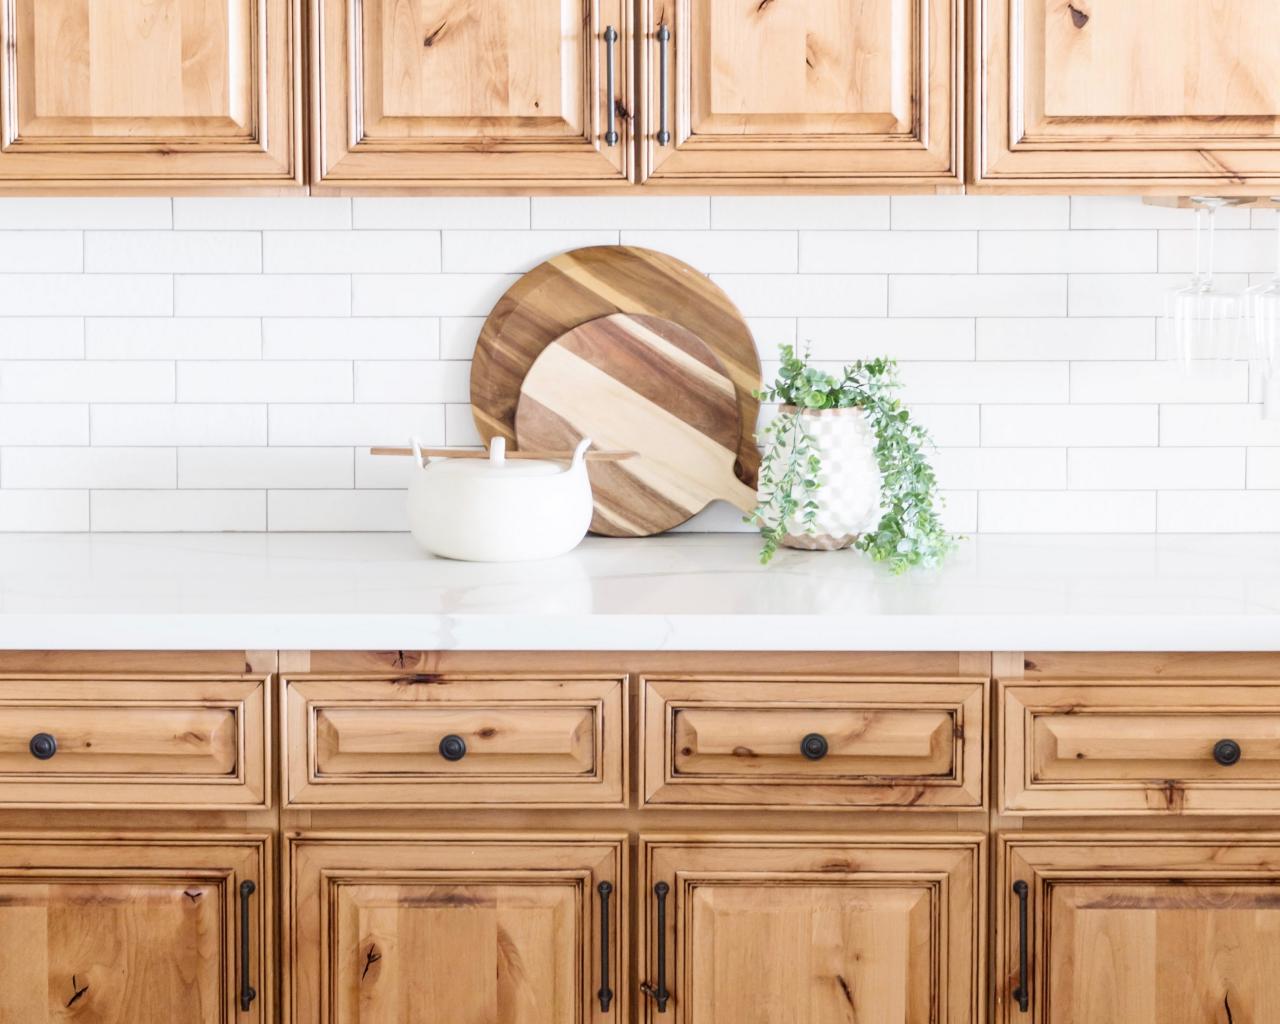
1144 95
742 93
155 94
488 93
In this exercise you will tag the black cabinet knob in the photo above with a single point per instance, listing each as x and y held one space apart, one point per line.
453 748
43 746
814 746
1226 752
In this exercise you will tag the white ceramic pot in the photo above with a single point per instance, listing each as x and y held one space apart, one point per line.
849 498
499 509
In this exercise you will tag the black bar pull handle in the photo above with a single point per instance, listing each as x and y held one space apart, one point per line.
247 992
660 995
1022 994
664 40
611 102
605 995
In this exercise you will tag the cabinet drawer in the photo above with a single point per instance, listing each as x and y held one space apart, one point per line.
1137 747
430 740
129 741
836 742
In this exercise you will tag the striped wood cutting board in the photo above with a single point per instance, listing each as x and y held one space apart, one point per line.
642 384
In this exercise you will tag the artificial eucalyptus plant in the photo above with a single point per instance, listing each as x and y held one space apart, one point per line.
910 532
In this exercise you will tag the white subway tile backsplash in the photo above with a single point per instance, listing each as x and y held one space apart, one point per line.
892 252
226 363
173 252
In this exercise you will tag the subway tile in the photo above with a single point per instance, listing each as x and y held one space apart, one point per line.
458 336
724 252
356 425
37 252
77 381
306 338
1130 212
173 252
178 425
413 382
351 252
1037 338
977 295
86 294
1067 511
1217 425
41 337
44 511
1159 381
381 472
973 213
1004 469
513 252
1262 468
847 339
949 425
249 213
264 381
428 294
1239 252
959 511
178 511
476 212
650 212
262 295
889 252
1061 252
77 212
795 213
988 383
460 429
770 333
338 511
124 338
806 294
85 467
1119 469
1219 511
262 468
1130 294
1040 426
59 424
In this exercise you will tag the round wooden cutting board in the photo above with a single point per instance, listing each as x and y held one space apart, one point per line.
584 284
645 385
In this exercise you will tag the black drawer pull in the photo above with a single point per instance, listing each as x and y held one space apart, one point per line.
1226 752
453 748
1022 994
660 995
814 746
42 746
605 995
247 992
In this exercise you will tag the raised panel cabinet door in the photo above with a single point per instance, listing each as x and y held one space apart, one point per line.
812 930
1158 95
816 93
459 94
419 929
1137 929
136 929
162 95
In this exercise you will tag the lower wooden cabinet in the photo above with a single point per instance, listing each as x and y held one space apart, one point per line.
153 929
1138 929
821 930
420 929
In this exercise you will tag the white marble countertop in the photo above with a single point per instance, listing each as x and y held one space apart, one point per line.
678 592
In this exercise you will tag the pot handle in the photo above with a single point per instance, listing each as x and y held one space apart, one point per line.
579 453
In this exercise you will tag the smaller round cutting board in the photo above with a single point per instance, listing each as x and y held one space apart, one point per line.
646 385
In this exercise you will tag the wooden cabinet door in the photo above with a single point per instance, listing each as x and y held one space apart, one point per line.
135 929
159 94
1162 95
1148 929
822 92
814 930
482 94
419 929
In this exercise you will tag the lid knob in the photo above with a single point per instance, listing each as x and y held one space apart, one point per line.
498 452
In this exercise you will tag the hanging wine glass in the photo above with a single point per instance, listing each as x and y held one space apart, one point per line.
1262 315
1202 317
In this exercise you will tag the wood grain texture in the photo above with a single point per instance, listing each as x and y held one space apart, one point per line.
597 281
1152 95
641 384
1141 928
132 94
